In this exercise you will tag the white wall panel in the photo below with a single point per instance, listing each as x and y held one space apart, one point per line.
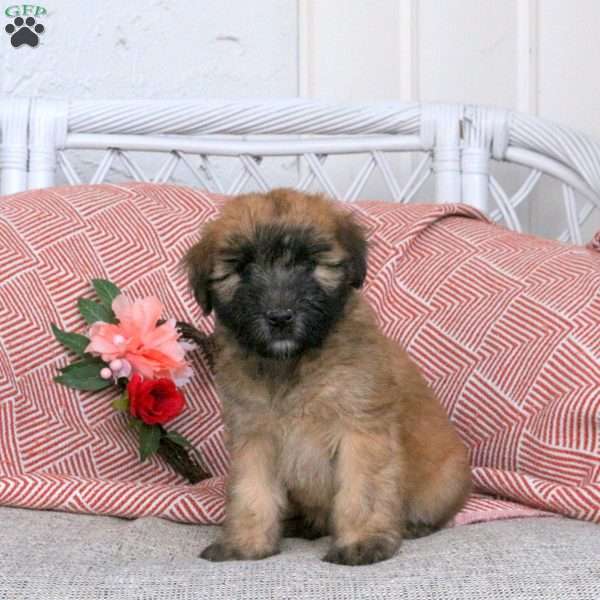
527 61
467 51
569 63
352 51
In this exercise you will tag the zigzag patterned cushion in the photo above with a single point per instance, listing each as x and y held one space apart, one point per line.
505 327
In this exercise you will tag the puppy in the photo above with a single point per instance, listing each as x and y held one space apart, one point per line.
330 427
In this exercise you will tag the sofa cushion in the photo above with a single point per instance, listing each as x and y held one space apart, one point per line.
54 555
505 327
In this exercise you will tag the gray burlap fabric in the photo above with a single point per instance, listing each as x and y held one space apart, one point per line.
50 556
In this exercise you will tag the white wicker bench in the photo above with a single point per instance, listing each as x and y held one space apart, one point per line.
457 146
459 149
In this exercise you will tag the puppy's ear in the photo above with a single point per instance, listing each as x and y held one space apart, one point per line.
199 262
352 238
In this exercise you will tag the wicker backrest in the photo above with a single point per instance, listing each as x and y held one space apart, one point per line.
446 151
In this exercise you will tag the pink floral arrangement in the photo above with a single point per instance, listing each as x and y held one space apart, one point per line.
128 346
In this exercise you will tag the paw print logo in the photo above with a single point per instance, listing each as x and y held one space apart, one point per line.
24 32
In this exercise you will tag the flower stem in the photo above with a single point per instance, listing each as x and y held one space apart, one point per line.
179 458
174 454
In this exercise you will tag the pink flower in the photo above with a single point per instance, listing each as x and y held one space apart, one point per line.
137 345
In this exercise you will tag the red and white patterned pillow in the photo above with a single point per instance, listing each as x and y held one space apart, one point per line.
505 327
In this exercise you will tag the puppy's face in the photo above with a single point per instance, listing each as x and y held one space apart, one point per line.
277 269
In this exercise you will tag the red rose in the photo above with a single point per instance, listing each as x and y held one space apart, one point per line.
154 401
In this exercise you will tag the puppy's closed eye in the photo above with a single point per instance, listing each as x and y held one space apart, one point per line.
331 264
330 274
217 278
227 267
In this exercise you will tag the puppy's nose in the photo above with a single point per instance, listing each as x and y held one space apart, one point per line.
280 317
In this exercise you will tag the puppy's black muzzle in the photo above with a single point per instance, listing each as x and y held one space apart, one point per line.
280 318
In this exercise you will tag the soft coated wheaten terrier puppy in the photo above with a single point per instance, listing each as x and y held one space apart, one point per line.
330 426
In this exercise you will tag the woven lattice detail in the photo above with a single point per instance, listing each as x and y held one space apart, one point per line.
311 173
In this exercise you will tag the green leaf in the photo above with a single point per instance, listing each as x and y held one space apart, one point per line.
122 402
88 360
149 440
92 311
178 439
91 384
73 341
135 423
106 290
84 375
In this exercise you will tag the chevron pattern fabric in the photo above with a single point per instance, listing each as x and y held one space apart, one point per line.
505 327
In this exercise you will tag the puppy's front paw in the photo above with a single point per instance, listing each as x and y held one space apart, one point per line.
365 552
219 552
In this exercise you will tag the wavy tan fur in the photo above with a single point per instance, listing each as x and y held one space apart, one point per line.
346 439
